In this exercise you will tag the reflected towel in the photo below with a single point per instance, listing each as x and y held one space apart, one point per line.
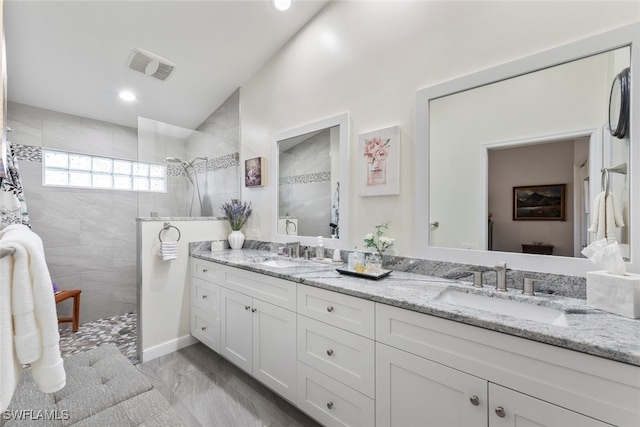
169 250
606 217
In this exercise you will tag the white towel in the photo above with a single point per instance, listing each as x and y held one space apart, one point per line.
28 319
606 217
169 250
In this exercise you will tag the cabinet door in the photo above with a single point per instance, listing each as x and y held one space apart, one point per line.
205 328
274 348
508 408
236 328
413 391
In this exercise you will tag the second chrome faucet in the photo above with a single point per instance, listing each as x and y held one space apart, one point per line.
501 276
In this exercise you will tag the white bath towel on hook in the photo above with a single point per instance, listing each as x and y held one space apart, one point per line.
606 217
169 250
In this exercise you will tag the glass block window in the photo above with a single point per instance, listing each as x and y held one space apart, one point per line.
80 170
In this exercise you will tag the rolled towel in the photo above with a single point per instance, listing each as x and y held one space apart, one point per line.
169 250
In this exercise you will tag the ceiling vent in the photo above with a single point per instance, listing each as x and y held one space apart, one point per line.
150 64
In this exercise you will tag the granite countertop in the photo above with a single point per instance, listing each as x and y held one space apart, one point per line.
587 330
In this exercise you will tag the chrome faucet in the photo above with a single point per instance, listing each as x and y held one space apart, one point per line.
501 276
293 249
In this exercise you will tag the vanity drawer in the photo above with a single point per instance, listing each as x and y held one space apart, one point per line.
270 289
332 403
205 296
206 270
344 311
342 355
205 328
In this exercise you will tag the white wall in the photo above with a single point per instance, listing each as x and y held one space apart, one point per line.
369 58
163 286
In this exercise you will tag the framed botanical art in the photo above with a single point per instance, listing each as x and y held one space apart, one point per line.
540 202
253 172
379 162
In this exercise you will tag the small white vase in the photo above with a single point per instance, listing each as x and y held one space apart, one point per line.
236 239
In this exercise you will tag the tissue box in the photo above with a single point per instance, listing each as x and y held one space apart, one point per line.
615 294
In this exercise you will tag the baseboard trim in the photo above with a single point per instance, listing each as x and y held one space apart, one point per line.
167 347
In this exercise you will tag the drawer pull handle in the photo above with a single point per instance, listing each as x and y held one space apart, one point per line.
330 405
329 352
330 308
475 400
204 296
204 328
253 310
500 411
247 307
204 270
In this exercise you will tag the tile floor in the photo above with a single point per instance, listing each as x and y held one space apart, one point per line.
205 389
120 330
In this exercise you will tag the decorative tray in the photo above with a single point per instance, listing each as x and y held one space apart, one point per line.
383 273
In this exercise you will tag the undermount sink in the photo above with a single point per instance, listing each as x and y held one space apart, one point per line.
279 263
509 307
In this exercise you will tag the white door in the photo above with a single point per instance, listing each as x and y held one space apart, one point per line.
236 325
274 348
508 408
413 391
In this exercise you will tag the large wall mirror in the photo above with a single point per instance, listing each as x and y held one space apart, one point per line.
515 157
310 178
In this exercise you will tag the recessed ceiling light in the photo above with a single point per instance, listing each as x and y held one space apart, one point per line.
281 4
127 96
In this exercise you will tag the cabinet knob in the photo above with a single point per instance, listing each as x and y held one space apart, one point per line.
204 296
253 310
204 270
500 411
330 405
204 328
330 308
329 352
247 307
475 400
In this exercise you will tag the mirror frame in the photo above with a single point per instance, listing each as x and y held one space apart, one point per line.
344 121
599 43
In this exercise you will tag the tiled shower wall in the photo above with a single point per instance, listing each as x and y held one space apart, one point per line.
89 235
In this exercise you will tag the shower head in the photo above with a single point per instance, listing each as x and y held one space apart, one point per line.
173 160
206 159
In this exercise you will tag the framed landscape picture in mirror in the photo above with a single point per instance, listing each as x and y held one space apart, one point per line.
539 202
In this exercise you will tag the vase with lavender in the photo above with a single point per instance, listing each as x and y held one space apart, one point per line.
237 213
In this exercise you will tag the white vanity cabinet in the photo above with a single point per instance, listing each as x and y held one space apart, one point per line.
349 361
432 371
257 326
414 391
205 312
336 357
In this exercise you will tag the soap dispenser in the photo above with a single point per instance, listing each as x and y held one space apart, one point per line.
320 249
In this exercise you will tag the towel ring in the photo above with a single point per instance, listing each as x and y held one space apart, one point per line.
166 227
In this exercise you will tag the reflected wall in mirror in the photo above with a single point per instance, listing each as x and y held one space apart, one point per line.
545 127
310 170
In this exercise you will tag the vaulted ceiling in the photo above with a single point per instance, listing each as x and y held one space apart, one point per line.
72 56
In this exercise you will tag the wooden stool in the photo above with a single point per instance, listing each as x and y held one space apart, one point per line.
75 294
